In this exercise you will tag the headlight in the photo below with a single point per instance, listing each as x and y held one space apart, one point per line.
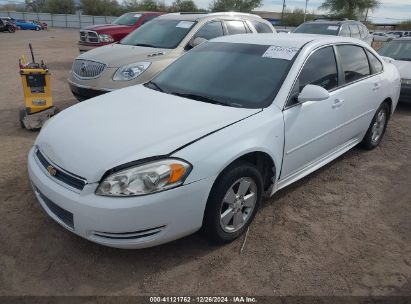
130 71
106 38
406 81
144 179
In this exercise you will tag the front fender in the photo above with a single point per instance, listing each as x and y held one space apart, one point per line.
263 132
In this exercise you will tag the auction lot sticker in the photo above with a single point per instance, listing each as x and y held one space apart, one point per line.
280 52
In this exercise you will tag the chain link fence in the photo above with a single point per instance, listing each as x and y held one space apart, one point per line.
61 20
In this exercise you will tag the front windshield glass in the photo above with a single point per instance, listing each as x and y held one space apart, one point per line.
159 33
318 28
397 49
127 19
231 74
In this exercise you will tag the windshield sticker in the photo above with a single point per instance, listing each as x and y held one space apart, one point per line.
332 28
137 15
185 24
280 52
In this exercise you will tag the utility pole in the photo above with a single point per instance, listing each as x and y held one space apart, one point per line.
282 13
305 12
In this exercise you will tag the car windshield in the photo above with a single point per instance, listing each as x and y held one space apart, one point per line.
397 49
318 28
229 74
127 19
159 33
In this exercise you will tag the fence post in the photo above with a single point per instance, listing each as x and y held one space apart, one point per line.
24 18
79 19
66 20
93 19
52 21
105 19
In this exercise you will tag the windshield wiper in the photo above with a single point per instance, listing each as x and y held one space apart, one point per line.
154 86
204 99
145 44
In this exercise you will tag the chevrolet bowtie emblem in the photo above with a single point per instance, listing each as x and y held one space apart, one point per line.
51 170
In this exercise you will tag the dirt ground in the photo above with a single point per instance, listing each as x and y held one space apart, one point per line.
344 230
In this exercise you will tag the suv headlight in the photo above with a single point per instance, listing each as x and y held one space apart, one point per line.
106 38
406 81
146 178
130 71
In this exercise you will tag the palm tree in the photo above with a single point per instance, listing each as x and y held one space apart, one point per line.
352 9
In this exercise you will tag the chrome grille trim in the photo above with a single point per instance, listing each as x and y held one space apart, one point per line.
88 69
123 236
89 36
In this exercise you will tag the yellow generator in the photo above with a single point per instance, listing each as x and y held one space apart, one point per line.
35 79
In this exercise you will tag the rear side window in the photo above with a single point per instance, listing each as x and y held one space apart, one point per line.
363 31
320 69
375 63
345 31
354 62
261 27
235 27
210 30
355 32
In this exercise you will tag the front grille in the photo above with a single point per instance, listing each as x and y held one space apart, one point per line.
65 216
69 179
89 36
88 69
129 235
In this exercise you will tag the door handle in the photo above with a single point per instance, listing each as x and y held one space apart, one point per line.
377 86
337 103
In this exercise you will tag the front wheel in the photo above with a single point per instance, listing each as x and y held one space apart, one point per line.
233 203
377 128
11 29
37 28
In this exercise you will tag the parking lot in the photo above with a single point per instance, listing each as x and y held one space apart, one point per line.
343 230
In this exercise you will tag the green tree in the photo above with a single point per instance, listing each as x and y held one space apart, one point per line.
296 17
36 6
101 7
234 5
184 6
352 9
60 6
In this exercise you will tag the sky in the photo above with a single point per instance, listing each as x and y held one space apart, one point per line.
389 9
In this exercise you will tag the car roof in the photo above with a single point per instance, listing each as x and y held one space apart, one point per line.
333 21
291 40
200 16
402 39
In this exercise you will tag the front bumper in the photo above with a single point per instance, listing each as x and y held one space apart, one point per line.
134 222
405 95
83 93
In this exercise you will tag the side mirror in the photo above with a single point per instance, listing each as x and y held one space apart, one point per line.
313 93
196 41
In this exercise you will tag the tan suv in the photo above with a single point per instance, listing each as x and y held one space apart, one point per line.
152 47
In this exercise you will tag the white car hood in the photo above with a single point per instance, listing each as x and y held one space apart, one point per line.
101 133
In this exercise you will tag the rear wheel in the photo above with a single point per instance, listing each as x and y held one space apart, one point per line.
233 203
377 128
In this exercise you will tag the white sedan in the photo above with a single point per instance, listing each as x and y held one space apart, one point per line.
399 52
199 145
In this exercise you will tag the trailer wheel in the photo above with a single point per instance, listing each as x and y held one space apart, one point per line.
22 115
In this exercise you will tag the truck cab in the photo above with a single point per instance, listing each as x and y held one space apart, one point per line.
99 35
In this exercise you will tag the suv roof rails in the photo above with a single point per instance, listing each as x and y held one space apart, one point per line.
215 14
331 19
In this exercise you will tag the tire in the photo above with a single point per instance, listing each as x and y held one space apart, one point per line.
37 28
11 29
22 114
228 211
377 128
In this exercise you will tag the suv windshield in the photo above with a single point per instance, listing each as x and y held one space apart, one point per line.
127 19
397 49
159 33
318 28
231 74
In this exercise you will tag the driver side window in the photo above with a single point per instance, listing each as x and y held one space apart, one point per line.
210 30
320 69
